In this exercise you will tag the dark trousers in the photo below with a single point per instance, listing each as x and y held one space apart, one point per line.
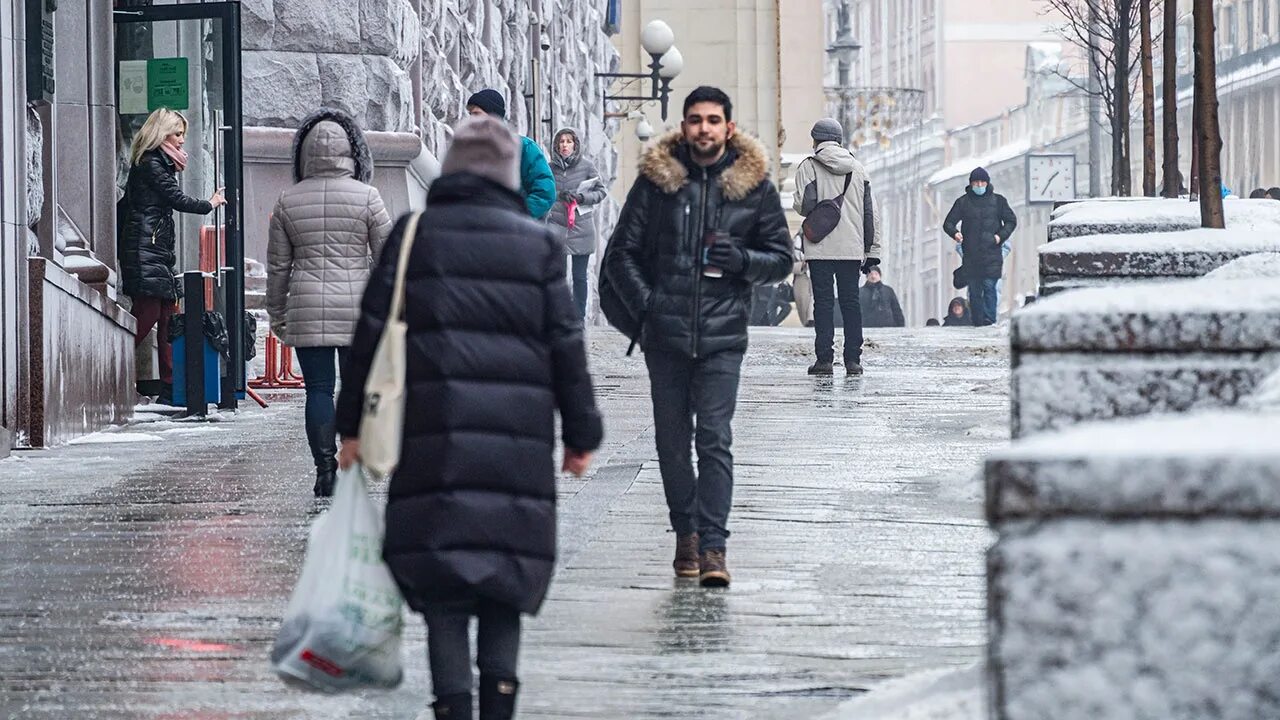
694 400
153 312
984 301
321 377
449 644
832 277
581 264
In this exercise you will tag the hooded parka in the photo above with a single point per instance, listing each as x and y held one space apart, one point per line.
821 176
494 350
654 258
576 175
326 230
981 218
147 251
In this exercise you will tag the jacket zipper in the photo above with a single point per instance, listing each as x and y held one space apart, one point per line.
697 265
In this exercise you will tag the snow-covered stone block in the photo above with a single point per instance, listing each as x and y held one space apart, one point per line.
1125 216
1135 574
1162 619
1092 260
1147 347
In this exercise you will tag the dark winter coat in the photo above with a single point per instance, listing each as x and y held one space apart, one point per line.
576 175
654 259
981 219
495 348
964 320
147 251
880 306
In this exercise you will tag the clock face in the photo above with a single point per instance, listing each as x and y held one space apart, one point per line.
1051 178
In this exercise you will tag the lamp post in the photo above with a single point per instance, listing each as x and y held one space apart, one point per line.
666 62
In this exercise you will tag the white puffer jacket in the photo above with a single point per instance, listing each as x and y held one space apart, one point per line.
326 232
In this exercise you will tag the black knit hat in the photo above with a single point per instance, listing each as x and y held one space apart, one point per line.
490 101
979 174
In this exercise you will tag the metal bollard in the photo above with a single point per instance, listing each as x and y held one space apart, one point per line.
193 335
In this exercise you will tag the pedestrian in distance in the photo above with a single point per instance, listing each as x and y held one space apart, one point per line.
958 314
932 322
578 190
327 231
1273 193
494 350
879 303
701 226
981 221
537 184
147 250
1258 194
832 173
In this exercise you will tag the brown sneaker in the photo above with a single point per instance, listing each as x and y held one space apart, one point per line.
715 572
686 562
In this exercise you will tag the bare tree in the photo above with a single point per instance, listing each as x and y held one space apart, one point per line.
1172 185
1148 103
1108 46
1206 104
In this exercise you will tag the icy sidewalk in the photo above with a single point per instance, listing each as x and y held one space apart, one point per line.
931 695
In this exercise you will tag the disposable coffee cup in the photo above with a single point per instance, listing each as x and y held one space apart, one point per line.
709 270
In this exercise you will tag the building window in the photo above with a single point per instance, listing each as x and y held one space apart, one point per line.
1249 26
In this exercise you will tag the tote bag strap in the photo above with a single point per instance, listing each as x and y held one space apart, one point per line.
402 266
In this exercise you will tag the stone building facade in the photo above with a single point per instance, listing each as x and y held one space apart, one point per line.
403 68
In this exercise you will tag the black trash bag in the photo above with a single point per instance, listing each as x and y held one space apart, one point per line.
249 338
215 331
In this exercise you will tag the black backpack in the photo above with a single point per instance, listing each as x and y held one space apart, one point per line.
825 216
614 309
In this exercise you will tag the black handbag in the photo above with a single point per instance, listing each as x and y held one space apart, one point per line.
959 279
825 216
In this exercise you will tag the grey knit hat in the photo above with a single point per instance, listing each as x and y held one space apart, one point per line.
482 145
827 130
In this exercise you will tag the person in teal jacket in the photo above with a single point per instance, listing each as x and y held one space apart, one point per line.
537 184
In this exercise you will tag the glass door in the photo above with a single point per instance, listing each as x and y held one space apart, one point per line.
186 57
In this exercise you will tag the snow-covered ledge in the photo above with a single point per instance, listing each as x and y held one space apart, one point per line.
1136 572
1096 260
1127 216
1148 347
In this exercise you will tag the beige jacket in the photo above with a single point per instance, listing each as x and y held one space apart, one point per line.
821 177
326 232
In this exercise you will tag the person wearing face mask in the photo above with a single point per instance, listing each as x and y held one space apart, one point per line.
578 191
981 221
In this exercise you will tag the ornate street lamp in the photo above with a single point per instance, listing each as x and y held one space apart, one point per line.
666 62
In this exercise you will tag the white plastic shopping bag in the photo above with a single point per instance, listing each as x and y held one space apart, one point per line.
341 630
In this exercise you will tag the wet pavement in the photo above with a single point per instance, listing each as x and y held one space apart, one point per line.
143 575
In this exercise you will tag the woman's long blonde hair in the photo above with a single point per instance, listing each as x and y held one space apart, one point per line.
161 124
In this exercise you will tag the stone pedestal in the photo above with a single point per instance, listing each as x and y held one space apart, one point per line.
1135 575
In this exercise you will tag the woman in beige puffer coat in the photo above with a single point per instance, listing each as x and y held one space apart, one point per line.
327 230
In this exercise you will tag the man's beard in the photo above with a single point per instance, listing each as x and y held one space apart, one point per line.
711 153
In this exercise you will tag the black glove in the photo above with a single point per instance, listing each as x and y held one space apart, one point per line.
726 255
868 264
564 196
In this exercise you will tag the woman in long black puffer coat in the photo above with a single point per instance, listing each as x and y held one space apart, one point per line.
147 248
495 348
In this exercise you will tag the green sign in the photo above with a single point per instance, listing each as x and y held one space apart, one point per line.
167 84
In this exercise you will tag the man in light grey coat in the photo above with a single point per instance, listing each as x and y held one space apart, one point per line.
834 261
326 231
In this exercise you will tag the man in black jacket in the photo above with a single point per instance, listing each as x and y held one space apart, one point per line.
701 226
981 221
879 303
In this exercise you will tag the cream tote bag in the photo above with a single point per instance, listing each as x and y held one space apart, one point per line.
382 426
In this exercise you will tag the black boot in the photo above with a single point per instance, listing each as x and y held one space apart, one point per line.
498 698
325 479
453 707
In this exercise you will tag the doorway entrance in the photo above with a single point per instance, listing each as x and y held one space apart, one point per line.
186 58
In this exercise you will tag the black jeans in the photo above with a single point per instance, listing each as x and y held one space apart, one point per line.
695 400
581 264
319 372
830 277
449 644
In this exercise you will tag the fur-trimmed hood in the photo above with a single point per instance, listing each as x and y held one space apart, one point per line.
361 156
660 164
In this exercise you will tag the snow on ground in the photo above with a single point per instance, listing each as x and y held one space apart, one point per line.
1202 240
945 694
110 437
1173 214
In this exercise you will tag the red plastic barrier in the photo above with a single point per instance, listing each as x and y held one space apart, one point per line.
279 373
